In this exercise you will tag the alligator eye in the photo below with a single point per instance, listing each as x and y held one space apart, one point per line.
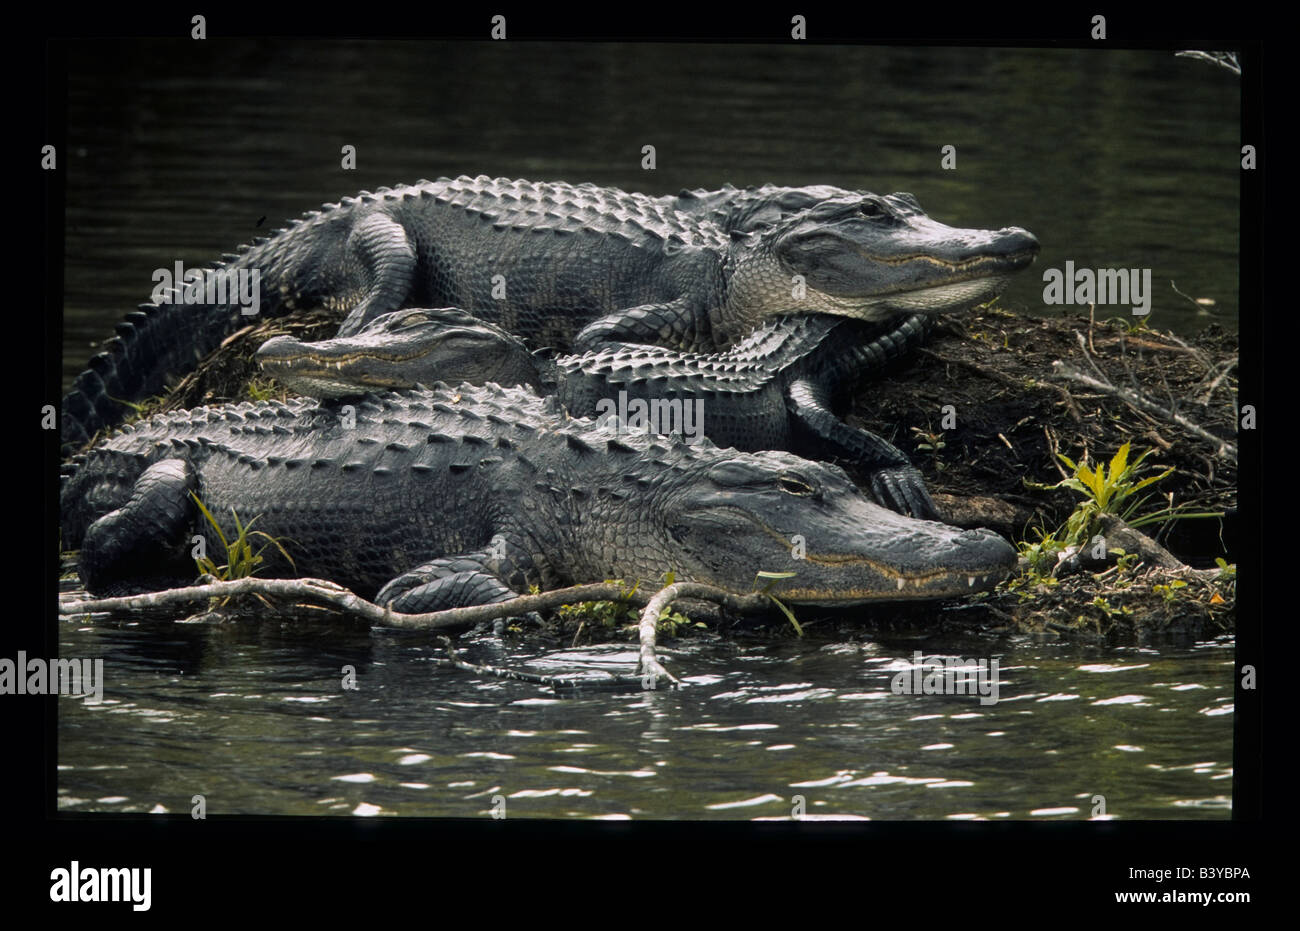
871 210
413 320
794 486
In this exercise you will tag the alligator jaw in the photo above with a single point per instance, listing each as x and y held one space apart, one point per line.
841 548
891 584
304 369
398 350
931 588
957 295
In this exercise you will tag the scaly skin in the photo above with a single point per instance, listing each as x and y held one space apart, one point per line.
568 266
444 497
768 392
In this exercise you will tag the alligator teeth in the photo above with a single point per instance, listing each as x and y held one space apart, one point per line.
901 583
970 581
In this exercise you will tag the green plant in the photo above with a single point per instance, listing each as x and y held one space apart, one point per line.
931 443
604 613
772 578
1131 325
1169 592
241 561
1111 612
1109 489
1126 561
1029 583
597 613
1042 555
670 621
262 389
623 613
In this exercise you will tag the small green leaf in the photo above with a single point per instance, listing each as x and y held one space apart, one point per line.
1119 462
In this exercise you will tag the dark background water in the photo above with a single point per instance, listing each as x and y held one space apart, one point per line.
254 718
182 151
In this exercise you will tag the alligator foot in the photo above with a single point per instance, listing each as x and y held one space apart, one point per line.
449 582
895 482
902 489
143 545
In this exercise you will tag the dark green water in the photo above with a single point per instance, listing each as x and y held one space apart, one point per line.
255 720
1114 159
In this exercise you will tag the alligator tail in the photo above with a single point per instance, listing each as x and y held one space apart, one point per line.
153 342
159 341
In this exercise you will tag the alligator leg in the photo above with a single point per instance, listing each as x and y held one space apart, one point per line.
144 544
895 482
381 246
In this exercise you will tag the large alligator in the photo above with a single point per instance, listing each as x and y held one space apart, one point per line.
452 496
770 391
575 267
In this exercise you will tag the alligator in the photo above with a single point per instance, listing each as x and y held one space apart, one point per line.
443 497
576 267
770 391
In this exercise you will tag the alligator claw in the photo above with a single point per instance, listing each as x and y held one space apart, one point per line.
902 489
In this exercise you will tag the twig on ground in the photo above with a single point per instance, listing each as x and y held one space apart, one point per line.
1223 448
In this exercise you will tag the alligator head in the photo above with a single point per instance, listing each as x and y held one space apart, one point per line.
865 256
779 513
401 349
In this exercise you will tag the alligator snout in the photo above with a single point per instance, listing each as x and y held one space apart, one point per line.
986 548
277 347
1016 241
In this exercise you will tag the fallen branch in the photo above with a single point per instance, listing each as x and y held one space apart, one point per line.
649 670
320 591
1118 533
1227 60
649 666
1214 385
1146 405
